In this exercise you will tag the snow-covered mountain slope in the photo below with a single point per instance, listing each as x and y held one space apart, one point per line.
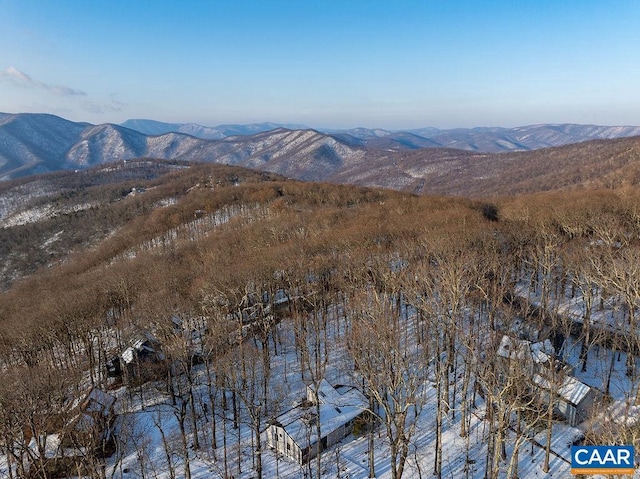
481 139
362 133
402 140
303 154
533 137
35 143
105 143
538 136
485 139
32 143
489 140
152 127
170 145
591 164
40 143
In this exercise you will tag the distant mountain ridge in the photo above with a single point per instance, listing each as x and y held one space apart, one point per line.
485 139
34 143
480 139
152 127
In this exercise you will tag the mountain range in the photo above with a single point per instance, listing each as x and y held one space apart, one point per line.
481 139
152 127
38 143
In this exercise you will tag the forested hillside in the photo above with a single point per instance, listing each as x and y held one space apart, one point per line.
284 284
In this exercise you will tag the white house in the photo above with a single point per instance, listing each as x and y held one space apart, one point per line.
294 433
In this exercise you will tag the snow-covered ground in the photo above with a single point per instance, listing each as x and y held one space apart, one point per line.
150 443
350 457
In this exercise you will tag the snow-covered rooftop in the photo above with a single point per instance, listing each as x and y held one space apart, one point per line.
99 402
337 407
327 394
571 390
514 348
140 343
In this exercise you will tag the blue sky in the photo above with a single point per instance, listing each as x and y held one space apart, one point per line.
324 63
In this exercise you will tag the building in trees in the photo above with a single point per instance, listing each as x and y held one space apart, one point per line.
144 349
536 364
89 434
93 422
294 433
527 357
193 329
574 400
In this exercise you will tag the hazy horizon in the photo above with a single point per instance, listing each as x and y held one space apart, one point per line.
323 128
328 65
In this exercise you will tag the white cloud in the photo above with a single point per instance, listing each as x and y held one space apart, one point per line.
21 79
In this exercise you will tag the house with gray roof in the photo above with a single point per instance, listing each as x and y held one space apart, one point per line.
573 399
294 434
